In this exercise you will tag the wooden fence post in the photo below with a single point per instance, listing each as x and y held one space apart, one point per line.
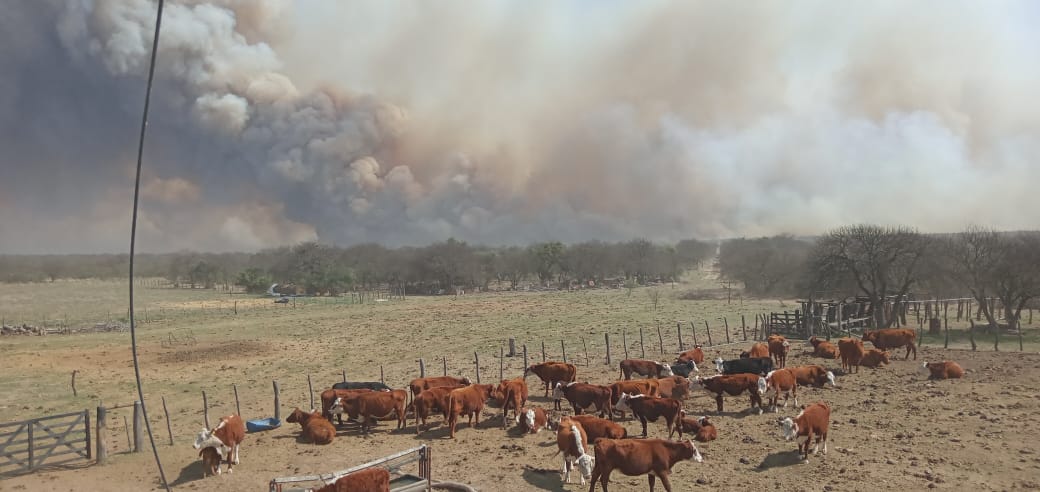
563 350
525 358
624 341
167 412
277 404
660 339
996 337
501 364
586 347
743 327
754 335
102 430
422 368
678 330
138 427
946 328
476 362
642 344
444 365
606 336
693 330
726 322
512 347
310 391
126 428
708 328
381 379
74 371
205 409
344 375
543 350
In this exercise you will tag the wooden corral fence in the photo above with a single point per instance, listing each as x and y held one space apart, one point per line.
399 482
53 440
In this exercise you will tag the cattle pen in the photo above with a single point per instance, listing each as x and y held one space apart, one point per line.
399 482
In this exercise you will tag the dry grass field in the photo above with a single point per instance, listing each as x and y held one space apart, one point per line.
892 428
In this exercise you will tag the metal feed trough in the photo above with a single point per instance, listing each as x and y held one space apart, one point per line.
399 482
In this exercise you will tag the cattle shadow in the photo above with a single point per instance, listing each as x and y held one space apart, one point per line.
192 472
779 459
544 479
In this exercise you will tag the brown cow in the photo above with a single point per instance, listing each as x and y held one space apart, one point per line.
417 385
223 440
676 387
778 348
532 419
695 354
469 401
597 428
851 351
874 358
583 396
823 348
701 428
733 385
429 401
893 338
813 420
652 457
946 369
780 380
380 405
652 408
328 397
375 479
210 460
315 428
552 373
757 350
511 393
648 387
573 442
813 375
645 368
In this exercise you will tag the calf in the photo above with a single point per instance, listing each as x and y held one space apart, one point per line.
511 393
429 401
314 428
380 405
532 419
780 380
597 428
695 354
224 440
417 385
211 457
851 352
583 396
733 385
467 401
652 457
946 369
375 479
684 368
778 348
701 429
652 408
645 368
823 348
813 375
893 338
353 385
329 396
813 420
677 387
552 373
573 442
757 365
757 350
874 358
647 387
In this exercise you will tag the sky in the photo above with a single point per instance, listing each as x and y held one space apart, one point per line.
509 122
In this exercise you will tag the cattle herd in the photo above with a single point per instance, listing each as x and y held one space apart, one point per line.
594 442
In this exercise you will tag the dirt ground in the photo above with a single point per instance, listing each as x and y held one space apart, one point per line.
891 429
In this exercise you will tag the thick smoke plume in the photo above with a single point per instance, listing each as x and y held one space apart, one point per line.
509 122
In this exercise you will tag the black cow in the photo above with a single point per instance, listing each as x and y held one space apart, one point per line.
353 385
684 368
756 365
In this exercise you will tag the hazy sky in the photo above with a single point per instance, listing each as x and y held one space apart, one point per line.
505 122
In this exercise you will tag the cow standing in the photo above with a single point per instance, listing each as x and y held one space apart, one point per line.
733 385
583 396
812 421
893 338
552 373
851 352
469 401
778 348
645 368
573 442
652 457
224 440
652 408
511 393
429 401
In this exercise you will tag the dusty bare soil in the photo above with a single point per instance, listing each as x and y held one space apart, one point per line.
891 429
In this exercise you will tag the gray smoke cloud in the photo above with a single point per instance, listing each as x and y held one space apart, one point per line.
276 122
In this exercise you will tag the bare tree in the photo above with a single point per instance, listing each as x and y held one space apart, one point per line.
995 264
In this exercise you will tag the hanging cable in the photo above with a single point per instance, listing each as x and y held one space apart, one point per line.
133 238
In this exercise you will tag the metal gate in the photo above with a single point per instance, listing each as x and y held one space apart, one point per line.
52 440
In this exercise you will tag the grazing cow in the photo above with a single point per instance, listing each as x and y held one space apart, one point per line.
778 348
469 401
583 396
677 387
379 405
552 373
329 396
695 354
893 338
532 419
823 348
597 428
314 428
701 429
429 401
418 385
511 393
353 385
813 420
874 358
757 350
812 375
645 368
649 387
573 442
684 368
733 385
652 408
375 479
851 352
757 365
224 440
946 369
780 380
652 457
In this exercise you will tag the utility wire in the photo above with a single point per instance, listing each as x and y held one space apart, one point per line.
133 241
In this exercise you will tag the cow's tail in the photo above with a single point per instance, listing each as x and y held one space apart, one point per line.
621 366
